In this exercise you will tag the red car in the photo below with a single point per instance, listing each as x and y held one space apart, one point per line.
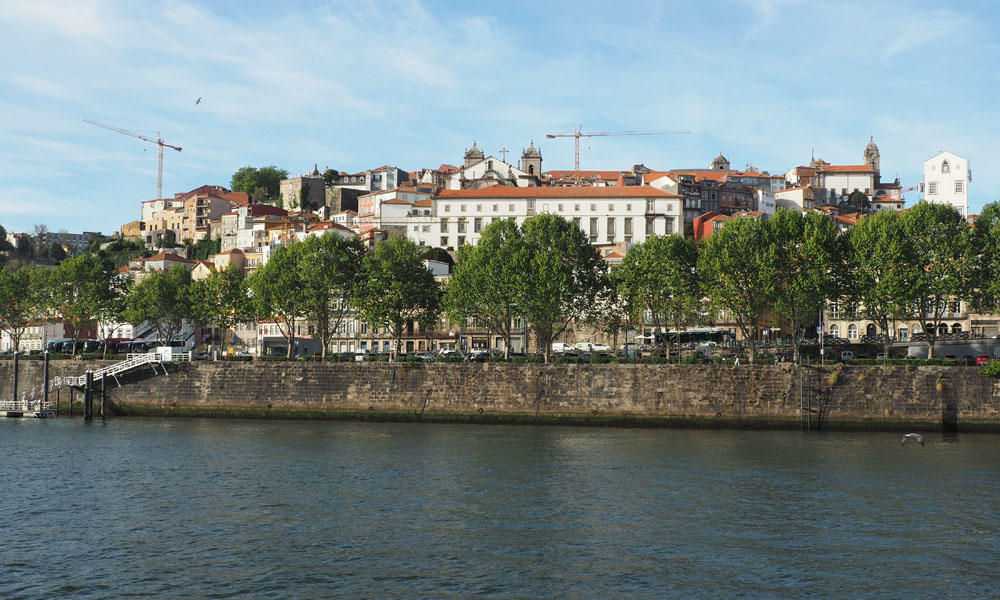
982 359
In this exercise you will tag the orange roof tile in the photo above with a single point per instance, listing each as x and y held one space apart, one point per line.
499 191
845 169
169 256
424 202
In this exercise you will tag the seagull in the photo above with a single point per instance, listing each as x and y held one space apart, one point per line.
916 437
198 101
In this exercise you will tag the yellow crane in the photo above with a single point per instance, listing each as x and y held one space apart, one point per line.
159 143
576 135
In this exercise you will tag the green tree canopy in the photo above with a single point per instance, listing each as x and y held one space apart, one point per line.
222 298
396 289
79 287
807 258
562 278
984 278
941 251
21 300
880 281
659 275
330 266
736 267
276 291
485 283
330 175
261 184
163 299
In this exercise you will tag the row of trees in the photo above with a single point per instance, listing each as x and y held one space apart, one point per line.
545 275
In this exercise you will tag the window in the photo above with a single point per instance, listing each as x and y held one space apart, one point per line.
852 332
834 330
510 207
945 168
668 225
425 228
444 241
834 310
628 225
489 165
954 306
628 208
611 208
560 208
904 333
958 186
649 206
956 328
593 208
495 208
447 208
931 187
479 208
444 225
463 208
576 207
611 229
576 222
531 203
649 226
461 227
593 229
461 240
477 225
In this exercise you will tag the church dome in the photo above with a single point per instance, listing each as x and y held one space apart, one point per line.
474 153
871 147
531 152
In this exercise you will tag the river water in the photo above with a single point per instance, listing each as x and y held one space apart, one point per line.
282 509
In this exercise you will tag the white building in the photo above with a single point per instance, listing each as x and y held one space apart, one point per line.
615 215
946 181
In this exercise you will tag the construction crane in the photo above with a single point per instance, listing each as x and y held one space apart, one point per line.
576 135
158 141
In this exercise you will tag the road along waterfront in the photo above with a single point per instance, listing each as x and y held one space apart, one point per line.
231 509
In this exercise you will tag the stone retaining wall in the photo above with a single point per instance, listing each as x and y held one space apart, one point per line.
851 397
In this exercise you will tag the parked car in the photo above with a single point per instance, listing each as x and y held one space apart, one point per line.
982 359
846 355
600 348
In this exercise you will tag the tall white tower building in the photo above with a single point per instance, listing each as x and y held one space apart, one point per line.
946 181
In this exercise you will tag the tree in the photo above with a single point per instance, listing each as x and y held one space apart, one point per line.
164 300
807 258
396 289
276 291
111 307
21 301
440 255
330 266
562 276
78 287
736 267
940 243
484 286
330 175
880 280
859 200
659 275
251 181
221 298
984 276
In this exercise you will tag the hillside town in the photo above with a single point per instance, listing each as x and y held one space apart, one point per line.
213 228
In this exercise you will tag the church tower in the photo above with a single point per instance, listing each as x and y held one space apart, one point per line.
531 160
473 155
720 163
872 157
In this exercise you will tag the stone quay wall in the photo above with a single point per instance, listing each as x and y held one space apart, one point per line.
851 397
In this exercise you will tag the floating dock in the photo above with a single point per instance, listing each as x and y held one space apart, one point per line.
27 409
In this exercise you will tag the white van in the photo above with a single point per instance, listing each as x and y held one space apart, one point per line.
562 347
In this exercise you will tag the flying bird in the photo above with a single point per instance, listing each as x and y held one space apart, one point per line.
198 101
916 437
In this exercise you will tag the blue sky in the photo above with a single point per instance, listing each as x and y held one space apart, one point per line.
355 85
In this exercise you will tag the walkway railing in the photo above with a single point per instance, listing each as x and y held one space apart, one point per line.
25 405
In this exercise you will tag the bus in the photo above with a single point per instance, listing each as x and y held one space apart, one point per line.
701 336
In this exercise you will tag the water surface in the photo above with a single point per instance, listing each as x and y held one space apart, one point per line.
237 509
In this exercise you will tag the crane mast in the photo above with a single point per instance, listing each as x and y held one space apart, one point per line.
576 135
158 141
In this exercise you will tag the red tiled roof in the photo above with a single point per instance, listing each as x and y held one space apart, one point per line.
233 251
237 198
168 256
499 191
711 174
396 201
259 210
424 202
584 174
845 169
